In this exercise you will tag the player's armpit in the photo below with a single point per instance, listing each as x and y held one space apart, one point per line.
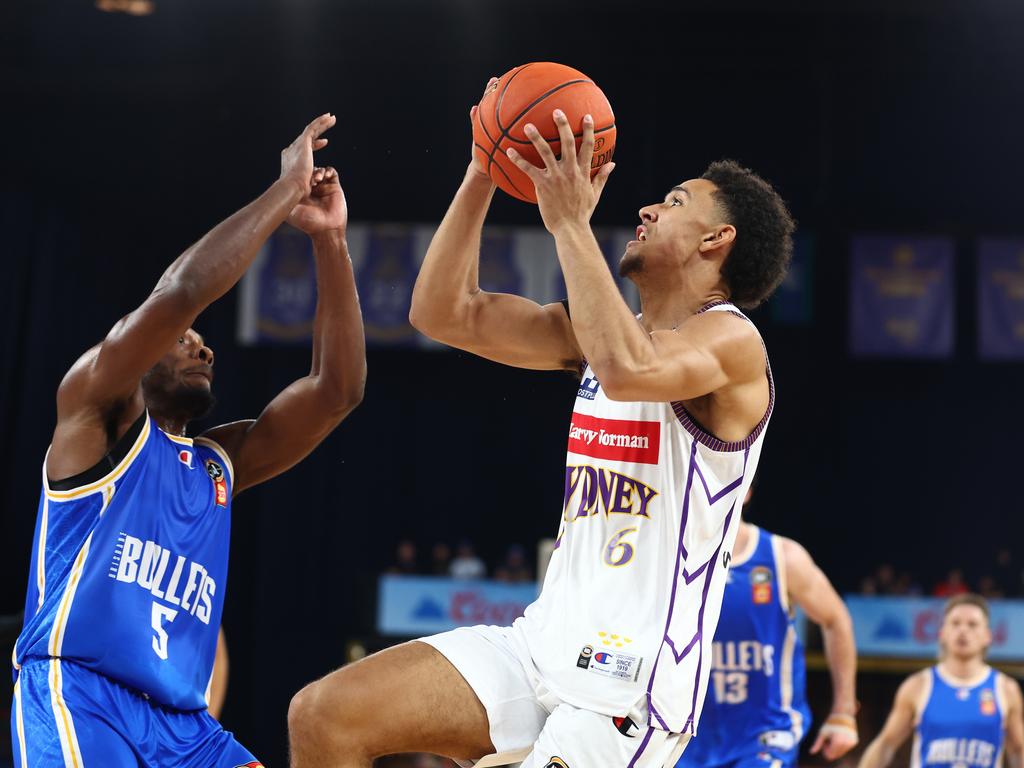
509 329
899 725
290 427
1014 721
703 355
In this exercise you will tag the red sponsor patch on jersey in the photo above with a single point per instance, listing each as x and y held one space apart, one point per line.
635 442
988 703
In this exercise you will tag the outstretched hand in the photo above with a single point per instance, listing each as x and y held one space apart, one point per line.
565 192
297 157
324 208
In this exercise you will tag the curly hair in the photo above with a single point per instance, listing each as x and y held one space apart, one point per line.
764 232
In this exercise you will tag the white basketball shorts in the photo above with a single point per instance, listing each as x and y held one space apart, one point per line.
529 723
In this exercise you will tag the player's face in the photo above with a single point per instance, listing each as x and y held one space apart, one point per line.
182 382
670 232
965 632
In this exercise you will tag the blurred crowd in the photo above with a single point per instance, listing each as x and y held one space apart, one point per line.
462 562
1003 576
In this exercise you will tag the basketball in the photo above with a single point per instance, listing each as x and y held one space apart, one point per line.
529 94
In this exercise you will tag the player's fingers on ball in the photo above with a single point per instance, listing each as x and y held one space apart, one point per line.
602 177
543 148
586 151
523 164
472 112
319 144
565 135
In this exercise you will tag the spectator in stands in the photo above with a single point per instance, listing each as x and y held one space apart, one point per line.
440 559
466 564
953 584
515 568
406 559
988 588
905 585
1008 575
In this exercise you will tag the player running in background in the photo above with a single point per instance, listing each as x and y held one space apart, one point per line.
609 666
129 562
756 712
962 712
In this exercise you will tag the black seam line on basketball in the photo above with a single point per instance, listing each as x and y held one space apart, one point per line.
575 135
498 100
508 178
497 118
538 100
483 128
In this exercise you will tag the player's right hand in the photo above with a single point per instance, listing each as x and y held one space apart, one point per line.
297 157
474 161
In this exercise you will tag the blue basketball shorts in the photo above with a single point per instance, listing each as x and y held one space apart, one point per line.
66 715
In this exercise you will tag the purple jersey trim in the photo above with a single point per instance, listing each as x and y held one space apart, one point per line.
681 554
704 437
643 746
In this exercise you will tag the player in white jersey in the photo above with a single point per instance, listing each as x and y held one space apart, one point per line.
610 665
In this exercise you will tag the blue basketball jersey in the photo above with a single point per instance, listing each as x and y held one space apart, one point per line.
959 726
756 698
129 566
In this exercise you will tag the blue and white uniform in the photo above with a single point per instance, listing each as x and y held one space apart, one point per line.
126 588
959 725
756 711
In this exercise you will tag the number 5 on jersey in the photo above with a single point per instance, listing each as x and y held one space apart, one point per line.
161 612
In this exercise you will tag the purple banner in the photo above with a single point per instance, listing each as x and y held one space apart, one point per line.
385 281
279 294
1001 299
499 272
901 296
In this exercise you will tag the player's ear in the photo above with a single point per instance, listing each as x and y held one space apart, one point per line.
719 237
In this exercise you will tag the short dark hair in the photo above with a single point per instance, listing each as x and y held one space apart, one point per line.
764 232
968 598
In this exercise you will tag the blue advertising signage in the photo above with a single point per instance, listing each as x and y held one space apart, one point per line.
413 606
909 627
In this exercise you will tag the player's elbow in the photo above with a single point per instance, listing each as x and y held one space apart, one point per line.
619 380
340 395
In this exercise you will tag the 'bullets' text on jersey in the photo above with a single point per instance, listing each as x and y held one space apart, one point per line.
129 566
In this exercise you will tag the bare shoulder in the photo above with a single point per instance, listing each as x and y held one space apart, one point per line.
729 337
229 436
912 688
89 424
1010 689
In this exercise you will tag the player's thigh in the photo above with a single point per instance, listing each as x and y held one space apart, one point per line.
60 717
409 698
578 738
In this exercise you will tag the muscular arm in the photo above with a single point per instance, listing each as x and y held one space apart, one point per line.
105 380
449 306
302 415
898 726
1014 722
810 589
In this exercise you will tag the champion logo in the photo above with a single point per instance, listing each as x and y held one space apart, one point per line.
185 457
603 658
635 442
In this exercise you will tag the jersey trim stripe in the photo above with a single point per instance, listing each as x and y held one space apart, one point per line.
786 682
214 446
780 573
41 553
65 723
642 747
177 438
926 694
114 474
64 608
19 721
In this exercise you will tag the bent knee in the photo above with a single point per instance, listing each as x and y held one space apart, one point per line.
321 713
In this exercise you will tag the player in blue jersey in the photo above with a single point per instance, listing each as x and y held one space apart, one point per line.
963 713
129 562
756 712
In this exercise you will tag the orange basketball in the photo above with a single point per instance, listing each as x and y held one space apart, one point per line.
529 94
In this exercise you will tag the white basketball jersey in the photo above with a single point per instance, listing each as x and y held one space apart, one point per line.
632 595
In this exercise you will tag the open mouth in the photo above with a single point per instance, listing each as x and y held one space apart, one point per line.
641 233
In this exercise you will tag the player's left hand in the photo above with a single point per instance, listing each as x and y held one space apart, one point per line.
565 192
835 739
324 208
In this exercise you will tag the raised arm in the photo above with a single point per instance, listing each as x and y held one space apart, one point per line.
810 589
302 415
449 306
898 726
100 395
704 354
